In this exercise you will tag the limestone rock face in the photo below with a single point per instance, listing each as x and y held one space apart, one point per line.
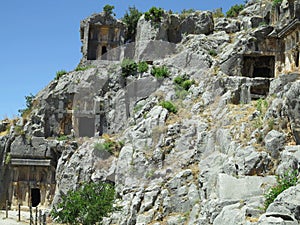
235 128
198 23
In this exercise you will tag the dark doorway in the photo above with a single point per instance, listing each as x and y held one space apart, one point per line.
103 53
86 127
35 197
258 66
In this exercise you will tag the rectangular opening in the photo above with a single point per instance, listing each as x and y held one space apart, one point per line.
35 197
86 127
258 66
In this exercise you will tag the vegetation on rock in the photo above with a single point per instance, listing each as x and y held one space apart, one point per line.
169 106
87 205
285 181
110 145
131 19
183 82
160 72
29 104
59 74
143 67
108 9
129 67
154 14
235 10
277 2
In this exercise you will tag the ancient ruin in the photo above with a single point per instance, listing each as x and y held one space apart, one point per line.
99 34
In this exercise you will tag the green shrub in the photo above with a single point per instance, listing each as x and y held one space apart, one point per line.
143 67
62 138
160 72
169 106
212 52
187 84
183 82
83 68
108 9
87 205
288 179
129 67
235 10
59 74
131 19
154 14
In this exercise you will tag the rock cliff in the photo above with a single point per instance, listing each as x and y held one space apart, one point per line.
236 125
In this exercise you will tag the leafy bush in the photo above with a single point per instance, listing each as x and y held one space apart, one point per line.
169 106
277 2
288 179
235 10
154 14
29 103
183 82
59 74
143 67
160 72
87 205
129 67
62 138
108 9
131 19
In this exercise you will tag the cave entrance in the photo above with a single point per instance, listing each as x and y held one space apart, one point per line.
258 66
86 127
35 197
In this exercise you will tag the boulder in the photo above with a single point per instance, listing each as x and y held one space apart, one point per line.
274 142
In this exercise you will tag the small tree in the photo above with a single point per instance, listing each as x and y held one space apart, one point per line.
154 14
131 19
87 205
235 10
108 9
29 103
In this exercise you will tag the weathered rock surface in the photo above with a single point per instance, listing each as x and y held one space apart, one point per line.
211 162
